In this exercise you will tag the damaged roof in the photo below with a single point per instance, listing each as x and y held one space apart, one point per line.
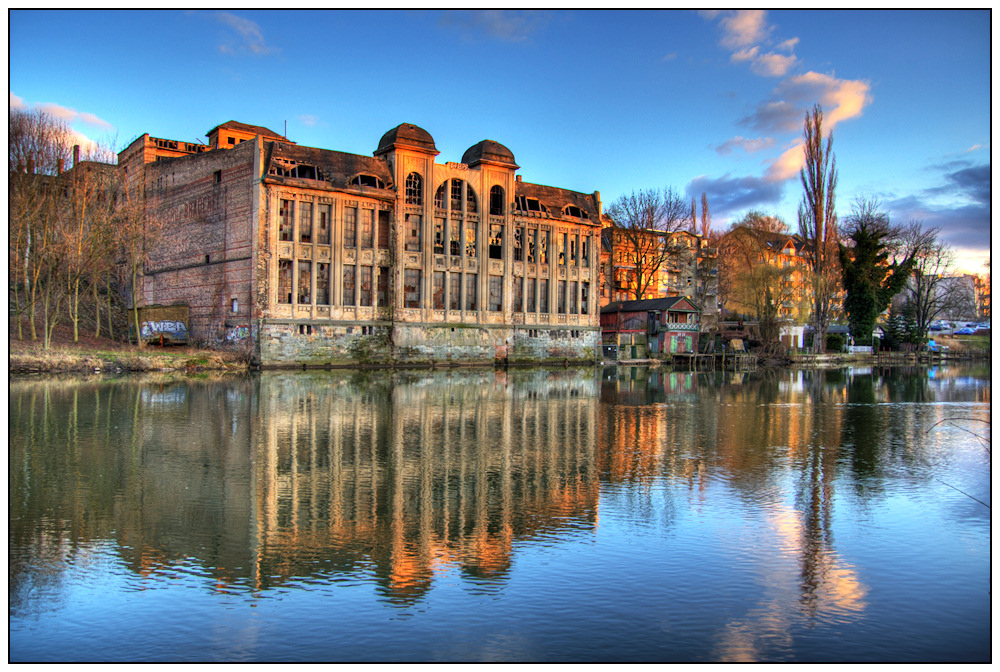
337 168
249 128
555 199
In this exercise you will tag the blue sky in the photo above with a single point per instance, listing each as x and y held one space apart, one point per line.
587 100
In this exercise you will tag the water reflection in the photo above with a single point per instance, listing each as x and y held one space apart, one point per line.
283 483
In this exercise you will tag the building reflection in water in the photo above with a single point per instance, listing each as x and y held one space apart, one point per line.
421 475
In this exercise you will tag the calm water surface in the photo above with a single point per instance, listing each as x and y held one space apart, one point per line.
593 515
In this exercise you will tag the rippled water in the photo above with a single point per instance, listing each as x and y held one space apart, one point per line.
570 515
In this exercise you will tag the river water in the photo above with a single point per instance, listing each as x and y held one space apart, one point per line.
565 515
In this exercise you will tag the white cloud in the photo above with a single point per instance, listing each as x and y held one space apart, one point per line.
502 24
744 27
841 99
65 114
788 45
308 119
16 102
767 65
250 34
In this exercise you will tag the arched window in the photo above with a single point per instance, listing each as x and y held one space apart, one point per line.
573 211
439 196
456 195
414 189
368 181
496 200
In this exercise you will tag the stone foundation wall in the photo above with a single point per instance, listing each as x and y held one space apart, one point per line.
294 344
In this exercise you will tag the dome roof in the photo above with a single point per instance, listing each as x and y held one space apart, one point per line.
406 135
489 151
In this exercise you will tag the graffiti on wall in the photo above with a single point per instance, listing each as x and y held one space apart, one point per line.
174 330
238 333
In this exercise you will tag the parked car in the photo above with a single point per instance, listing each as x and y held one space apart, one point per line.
965 331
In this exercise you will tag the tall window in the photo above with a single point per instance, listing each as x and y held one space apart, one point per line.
350 227
439 195
561 296
305 283
584 298
439 235
496 241
285 281
518 295
323 284
572 250
518 243
456 195
543 248
383 229
470 200
411 288
470 290
305 222
438 290
348 286
543 296
584 251
383 286
414 189
414 223
572 297
455 233
286 223
470 239
365 286
496 200
455 291
367 223
325 222
532 238
496 293
561 242
529 290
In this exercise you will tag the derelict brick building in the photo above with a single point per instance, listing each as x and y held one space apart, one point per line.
321 257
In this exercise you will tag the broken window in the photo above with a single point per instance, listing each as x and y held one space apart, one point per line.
323 284
471 205
367 223
584 298
350 227
470 290
305 283
532 237
305 223
529 291
285 281
414 223
348 293
496 293
496 241
365 286
383 229
470 239
325 220
543 248
574 211
411 288
414 189
561 248
456 195
573 288
286 223
543 296
526 204
439 196
438 290
439 235
304 171
518 296
584 251
383 286
454 234
368 181
455 291
518 244
496 200
572 249
561 296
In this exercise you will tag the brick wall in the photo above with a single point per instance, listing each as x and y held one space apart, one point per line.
202 209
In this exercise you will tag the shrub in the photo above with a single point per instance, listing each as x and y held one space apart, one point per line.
834 342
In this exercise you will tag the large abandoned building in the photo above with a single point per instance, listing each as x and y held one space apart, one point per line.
316 257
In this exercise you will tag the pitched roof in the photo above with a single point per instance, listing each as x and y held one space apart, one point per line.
337 168
249 128
664 303
555 199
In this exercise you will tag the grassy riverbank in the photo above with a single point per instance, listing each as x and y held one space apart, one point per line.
92 354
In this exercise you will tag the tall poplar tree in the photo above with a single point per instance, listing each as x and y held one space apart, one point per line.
818 221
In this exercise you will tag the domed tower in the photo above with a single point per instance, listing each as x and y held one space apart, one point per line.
489 152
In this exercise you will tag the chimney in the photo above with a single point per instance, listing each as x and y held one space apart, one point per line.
76 155
59 166
517 178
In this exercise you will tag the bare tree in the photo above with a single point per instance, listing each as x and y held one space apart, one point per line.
818 222
930 292
640 236
706 217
